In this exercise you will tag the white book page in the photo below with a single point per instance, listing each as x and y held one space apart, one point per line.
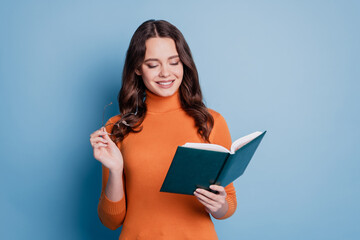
206 146
234 147
243 141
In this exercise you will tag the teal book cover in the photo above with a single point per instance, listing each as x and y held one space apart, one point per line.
200 165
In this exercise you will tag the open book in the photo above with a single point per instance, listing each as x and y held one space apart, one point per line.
202 164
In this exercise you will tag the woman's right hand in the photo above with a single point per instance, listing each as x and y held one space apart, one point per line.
106 151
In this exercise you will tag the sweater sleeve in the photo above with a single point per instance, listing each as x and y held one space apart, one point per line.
111 214
221 135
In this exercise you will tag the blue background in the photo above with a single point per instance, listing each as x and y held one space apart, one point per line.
289 67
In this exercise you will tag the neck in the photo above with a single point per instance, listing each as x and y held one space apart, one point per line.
159 104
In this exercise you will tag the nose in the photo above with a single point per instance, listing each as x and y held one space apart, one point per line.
164 71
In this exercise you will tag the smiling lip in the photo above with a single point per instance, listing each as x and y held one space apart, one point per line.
165 84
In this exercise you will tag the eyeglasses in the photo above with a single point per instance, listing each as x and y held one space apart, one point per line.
122 117
103 118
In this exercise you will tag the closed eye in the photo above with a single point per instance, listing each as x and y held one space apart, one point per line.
176 63
152 66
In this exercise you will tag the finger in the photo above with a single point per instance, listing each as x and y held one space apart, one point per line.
93 133
104 133
218 198
208 207
99 145
106 136
221 196
207 193
104 129
98 139
205 199
218 188
97 133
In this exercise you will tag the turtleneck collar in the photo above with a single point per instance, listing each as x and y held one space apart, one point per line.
159 104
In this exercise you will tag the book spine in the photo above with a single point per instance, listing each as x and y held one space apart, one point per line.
221 169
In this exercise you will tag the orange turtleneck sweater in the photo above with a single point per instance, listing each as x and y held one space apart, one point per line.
145 212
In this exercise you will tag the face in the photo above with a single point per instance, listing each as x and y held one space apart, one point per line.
162 71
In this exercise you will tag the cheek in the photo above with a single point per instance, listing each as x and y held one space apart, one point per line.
148 75
179 72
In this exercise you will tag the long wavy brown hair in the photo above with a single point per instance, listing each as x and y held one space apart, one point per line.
132 93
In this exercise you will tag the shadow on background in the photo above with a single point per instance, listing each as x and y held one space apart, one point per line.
108 83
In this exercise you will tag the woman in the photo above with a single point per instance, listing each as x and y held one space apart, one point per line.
161 107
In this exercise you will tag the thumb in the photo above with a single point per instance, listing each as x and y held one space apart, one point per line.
106 136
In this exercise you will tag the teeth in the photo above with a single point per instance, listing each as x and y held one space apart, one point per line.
165 83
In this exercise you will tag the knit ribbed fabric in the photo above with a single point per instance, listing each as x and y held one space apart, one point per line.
145 212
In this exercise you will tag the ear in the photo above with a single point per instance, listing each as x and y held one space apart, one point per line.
138 72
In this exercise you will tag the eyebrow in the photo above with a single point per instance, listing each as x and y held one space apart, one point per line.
155 59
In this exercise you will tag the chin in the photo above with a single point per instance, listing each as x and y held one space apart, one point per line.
165 93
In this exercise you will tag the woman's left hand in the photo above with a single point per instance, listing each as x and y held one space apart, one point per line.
215 204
